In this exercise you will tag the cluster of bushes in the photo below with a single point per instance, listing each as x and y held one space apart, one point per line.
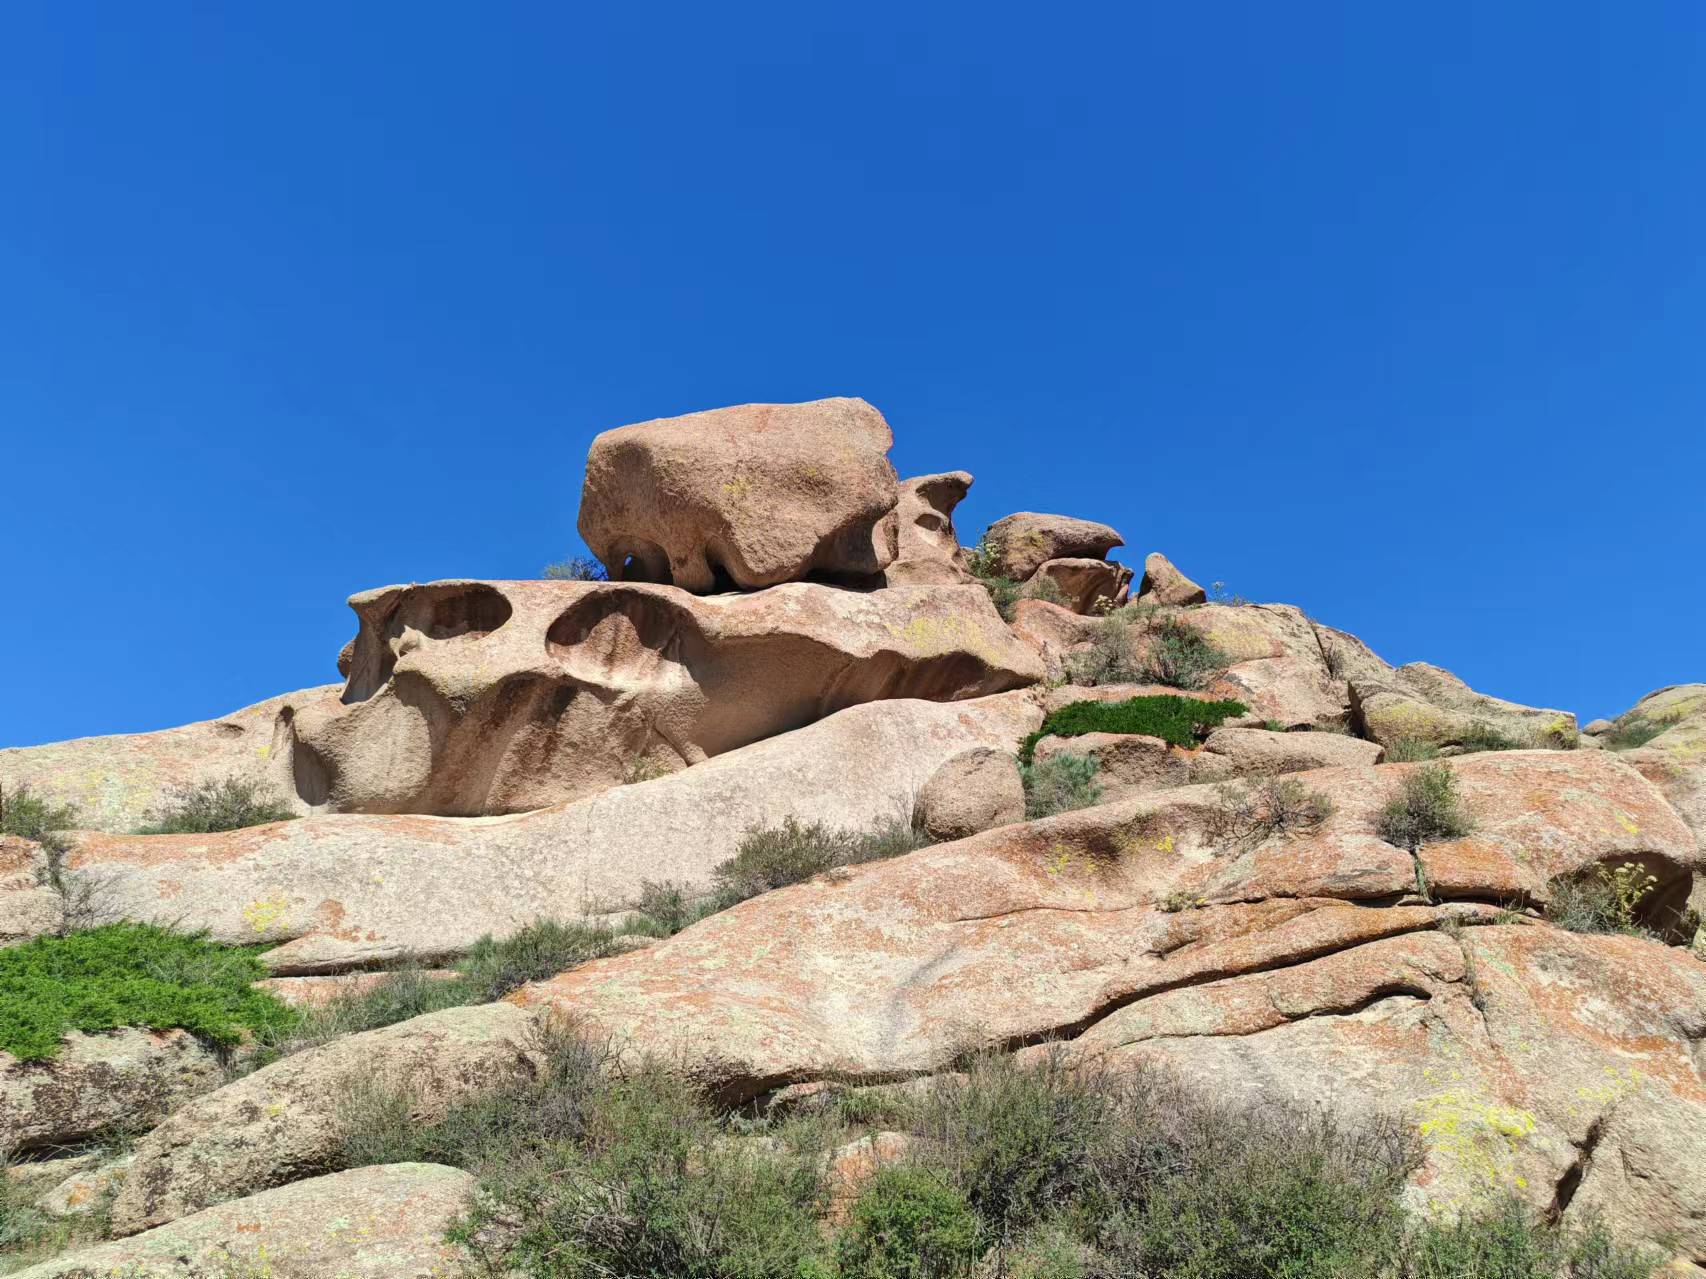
600 1168
1247 812
1182 721
1059 784
1141 645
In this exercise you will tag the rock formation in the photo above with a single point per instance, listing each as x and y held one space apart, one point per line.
1227 906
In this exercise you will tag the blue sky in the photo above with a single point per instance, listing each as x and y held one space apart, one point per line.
1393 312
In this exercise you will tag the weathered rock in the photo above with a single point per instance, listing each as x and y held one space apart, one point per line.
342 891
117 782
1426 702
1127 763
29 905
472 698
1087 586
285 1121
1673 758
976 790
852 1166
128 1077
1131 763
1164 584
1593 728
1252 751
318 991
1024 542
86 1189
928 549
743 497
384 1222
1139 923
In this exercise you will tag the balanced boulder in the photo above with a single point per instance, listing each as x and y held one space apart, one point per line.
1164 584
1022 543
743 497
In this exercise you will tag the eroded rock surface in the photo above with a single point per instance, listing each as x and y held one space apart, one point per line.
285 1122
743 497
928 550
384 1222
341 891
1673 757
476 698
1432 705
1088 586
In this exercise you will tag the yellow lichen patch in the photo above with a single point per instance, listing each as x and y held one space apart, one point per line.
1478 1135
738 489
1628 823
930 636
262 913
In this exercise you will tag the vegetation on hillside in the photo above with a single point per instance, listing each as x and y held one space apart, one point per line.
1059 784
129 975
228 803
1182 721
1005 593
576 568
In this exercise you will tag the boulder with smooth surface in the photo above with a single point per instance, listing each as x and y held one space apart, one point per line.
976 790
1164 584
1023 542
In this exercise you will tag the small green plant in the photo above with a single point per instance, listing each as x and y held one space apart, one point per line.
1174 902
1632 731
577 568
1509 1240
227 804
1059 784
1179 655
908 1224
1248 812
1608 901
31 817
1181 721
129 975
1410 750
1427 807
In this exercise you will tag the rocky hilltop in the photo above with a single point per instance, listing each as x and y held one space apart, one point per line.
1046 812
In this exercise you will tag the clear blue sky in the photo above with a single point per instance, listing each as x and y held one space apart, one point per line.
1394 312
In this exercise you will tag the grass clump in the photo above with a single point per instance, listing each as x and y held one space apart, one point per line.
768 858
1632 732
31 817
1251 811
230 803
1482 736
130 975
1410 750
1181 721
1427 806
1059 784
1607 901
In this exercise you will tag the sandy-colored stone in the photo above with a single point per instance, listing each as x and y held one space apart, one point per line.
743 497
1673 759
1127 763
852 1166
318 991
86 1189
1132 764
1089 587
117 782
344 891
928 550
1251 751
1432 704
284 1122
480 698
1025 541
384 1222
1165 584
976 790
130 1076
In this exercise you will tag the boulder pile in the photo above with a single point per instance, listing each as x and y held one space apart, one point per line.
1158 832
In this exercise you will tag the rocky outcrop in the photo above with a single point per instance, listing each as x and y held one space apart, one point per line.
1024 542
976 790
117 782
1087 586
744 497
1164 584
1664 735
928 550
286 1122
472 698
384 1222
345 891
122 1078
1432 705
1248 944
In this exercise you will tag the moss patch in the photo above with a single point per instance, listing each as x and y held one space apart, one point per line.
129 975
1182 721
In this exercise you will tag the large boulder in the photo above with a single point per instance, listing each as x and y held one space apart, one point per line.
976 790
1022 543
470 698
1164 584
1664 735
117 782
928 550
1433 705
1145 917
126 1078
342 891
743 497
288 1120
384 1222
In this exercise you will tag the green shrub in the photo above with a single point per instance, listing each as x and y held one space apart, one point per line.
229 804
1251 811
31 817
577 568
1059 784
1138 644
1180 655
1410 750
1606 901
1509 1240
130 975
908 1224
1182 721
772 857
1632 732
1427 806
